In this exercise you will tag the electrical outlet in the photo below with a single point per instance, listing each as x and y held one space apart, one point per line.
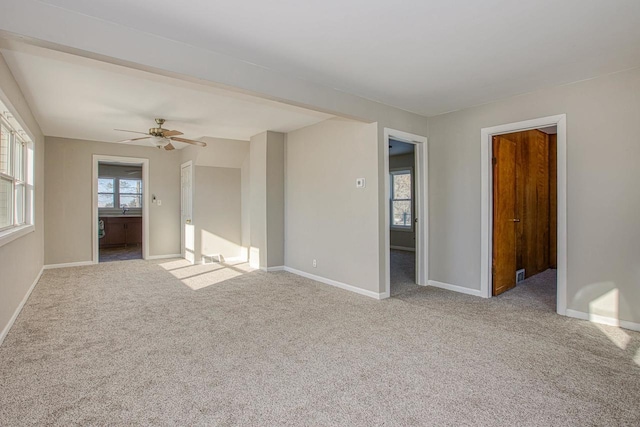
315 264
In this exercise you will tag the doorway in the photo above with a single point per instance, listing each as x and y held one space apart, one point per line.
187 231
120 208
406 211
524 214
524 210
402 164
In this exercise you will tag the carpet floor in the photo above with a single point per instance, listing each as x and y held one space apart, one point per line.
403 272
166 343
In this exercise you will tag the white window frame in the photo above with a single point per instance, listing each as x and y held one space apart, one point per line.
117 205
392 173
18 136
119 193
114 193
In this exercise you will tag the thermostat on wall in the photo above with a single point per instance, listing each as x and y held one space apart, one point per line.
360 183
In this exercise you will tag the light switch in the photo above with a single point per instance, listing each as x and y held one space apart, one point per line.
159 202
360 183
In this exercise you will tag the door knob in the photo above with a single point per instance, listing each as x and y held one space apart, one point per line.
188 221
515 220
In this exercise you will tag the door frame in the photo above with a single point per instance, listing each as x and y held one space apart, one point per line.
183 245
132 161
486 205
421 203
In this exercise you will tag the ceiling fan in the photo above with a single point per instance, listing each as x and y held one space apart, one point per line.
162 138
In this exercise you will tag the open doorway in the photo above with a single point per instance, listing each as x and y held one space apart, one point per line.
525 214
402 235
120 208
518 237
119 212
406 211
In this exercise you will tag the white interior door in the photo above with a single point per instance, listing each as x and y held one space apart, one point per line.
186 211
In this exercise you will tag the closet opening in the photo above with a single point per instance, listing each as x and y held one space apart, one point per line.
525 215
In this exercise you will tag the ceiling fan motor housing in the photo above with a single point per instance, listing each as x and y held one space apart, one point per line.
157 131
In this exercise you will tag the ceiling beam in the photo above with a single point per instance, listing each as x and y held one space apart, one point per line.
60 29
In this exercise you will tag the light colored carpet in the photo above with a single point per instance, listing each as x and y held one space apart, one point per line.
142 343
403 272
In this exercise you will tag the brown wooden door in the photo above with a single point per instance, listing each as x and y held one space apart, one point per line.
504 214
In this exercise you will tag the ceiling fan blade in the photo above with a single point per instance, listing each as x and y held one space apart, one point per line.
131 140
132 131
169 147
188 141
167 133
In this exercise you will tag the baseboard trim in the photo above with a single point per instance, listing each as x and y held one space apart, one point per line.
455 288
236 259
7 328
68 264
271 269
152 257
604 320
403 248
337 284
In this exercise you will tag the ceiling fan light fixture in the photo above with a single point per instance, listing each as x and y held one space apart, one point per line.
159 141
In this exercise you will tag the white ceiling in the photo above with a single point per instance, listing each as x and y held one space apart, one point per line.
426 56
82 98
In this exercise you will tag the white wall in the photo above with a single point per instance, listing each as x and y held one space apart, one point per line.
68 210
603 151
22 259
327 217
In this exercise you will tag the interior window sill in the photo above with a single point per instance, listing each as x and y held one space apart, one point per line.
12 234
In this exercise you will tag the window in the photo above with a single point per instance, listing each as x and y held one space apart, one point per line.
106 192
130 191
401 199
118 192
13 176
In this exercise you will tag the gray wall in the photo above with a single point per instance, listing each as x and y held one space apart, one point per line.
266 198
327 217
275 199
216 211
404 239
68 210
224 154
22 259
603 151
258 200
120 171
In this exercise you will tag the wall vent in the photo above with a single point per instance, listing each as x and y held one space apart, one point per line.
519 275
